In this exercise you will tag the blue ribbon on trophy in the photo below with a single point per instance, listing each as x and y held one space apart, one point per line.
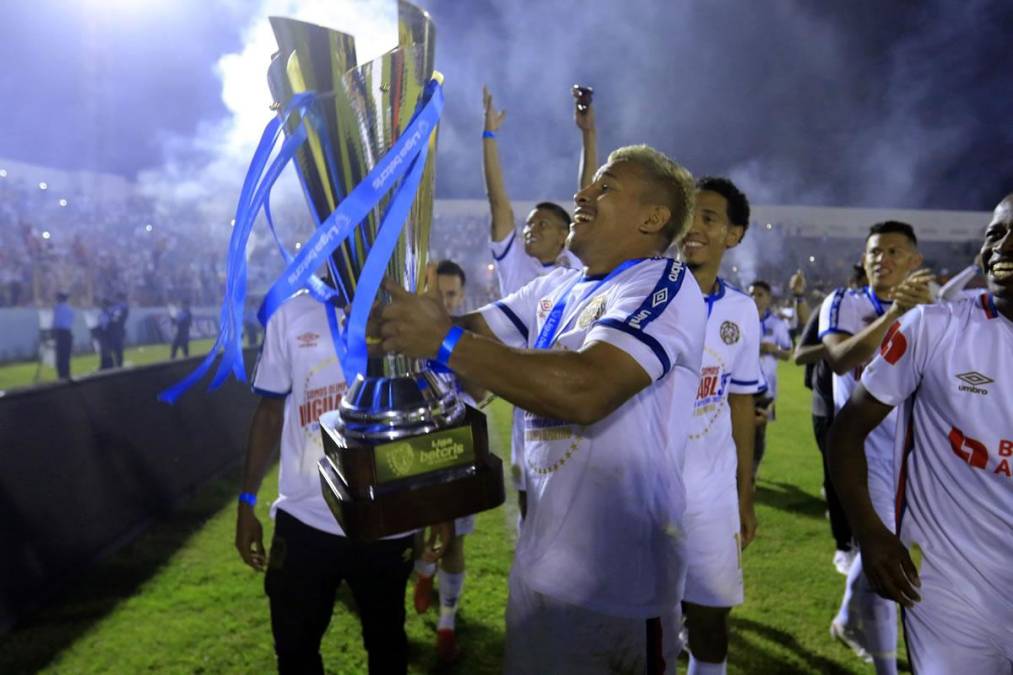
404 163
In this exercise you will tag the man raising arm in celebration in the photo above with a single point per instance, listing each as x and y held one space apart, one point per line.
544 238
603 453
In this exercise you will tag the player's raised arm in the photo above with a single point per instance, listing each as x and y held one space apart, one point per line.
885 560
797 286
499 203
583 115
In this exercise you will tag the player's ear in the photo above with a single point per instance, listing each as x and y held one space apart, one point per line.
657 217
734 236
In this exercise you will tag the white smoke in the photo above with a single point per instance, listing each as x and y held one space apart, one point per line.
203 173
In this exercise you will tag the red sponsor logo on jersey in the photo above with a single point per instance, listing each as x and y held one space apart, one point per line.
976 454
709 379
894 344
308 339
318 401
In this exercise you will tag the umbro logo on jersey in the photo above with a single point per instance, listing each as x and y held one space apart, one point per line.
308 339
659 297
973 382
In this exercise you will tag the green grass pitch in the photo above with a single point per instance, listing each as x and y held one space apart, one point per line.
179 600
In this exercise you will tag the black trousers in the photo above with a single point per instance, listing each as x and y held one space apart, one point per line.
305 570
64 344
838 520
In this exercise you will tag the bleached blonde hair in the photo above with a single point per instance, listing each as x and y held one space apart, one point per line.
673 179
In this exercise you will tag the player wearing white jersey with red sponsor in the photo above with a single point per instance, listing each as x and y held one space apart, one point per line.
606 362
298 378
948 369
852 324
720 519
541 250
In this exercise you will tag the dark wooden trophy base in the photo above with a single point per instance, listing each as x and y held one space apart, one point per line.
379 490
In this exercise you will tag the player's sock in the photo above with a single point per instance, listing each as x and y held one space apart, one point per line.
425 569
706 668
450 591
848 614
879 625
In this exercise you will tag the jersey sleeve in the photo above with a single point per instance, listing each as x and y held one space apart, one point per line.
659 322
781 335
512 319
746 375
273 376
837 314
896 371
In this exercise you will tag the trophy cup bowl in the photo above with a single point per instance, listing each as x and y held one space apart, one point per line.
402 451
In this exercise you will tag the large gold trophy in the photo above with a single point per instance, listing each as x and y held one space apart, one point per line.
403 450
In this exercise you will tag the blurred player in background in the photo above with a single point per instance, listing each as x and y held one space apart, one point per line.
450 280
775 345
852 325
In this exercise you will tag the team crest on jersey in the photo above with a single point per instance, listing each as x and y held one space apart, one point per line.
730 333
308 339
544 307
594 311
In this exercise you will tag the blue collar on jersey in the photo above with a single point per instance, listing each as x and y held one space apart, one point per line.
877 304
715 296
554 321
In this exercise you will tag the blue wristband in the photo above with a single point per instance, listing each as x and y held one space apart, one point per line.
248 498
488 134
449 342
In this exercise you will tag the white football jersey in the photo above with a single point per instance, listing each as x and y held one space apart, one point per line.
606 501
949 366
773 330
298 363
515 268
731 365
848 311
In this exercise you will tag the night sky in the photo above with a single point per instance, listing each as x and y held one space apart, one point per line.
864 103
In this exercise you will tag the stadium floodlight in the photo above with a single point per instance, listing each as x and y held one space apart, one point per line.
232 223
63 202
812 258
490 267
769 226
298 245
3 173
147 228
45 234
43 186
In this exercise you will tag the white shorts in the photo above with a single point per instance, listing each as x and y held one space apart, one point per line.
945 634
544 635
714 555
464 524
517 450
